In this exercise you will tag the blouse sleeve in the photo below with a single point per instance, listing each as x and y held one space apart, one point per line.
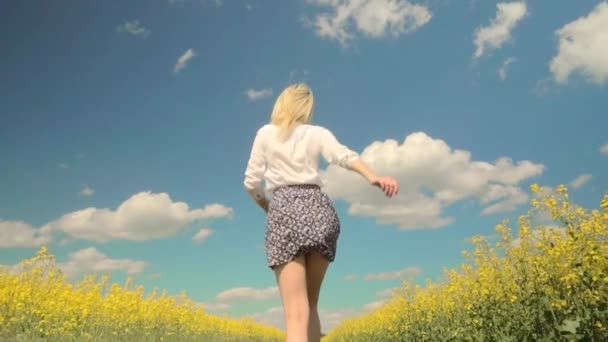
334 152
256 166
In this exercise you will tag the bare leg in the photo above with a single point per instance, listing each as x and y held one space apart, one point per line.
291 278
316 265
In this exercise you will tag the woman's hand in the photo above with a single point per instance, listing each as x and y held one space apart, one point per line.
389 185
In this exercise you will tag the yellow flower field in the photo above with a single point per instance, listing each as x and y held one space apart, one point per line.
548 283
38 304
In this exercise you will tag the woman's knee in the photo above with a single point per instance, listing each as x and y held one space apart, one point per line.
298 313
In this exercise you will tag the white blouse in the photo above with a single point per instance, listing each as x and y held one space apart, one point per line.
294 160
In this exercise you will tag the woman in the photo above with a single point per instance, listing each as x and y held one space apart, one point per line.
302 226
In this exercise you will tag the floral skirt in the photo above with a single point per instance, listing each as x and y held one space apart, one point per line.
301 218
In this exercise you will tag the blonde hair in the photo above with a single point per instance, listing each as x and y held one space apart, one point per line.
293 106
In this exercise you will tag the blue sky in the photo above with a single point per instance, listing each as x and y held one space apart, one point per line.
125 131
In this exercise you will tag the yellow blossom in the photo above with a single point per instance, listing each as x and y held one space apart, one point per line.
557 270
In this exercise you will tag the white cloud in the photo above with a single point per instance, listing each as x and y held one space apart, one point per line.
87 191
374 305
432 177
511 196
135 28
583 47
580 181
90 260
202 234
372 18
350 277
183 60
604 150
20 234
272 317
143 216
215 307
247 293
502 71
216 210
255 94
392 275
331 318
64 165
386 293
498 32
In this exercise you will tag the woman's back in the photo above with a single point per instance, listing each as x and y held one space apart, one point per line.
294 159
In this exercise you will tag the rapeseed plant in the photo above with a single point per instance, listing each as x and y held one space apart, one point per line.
37 303
547 283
